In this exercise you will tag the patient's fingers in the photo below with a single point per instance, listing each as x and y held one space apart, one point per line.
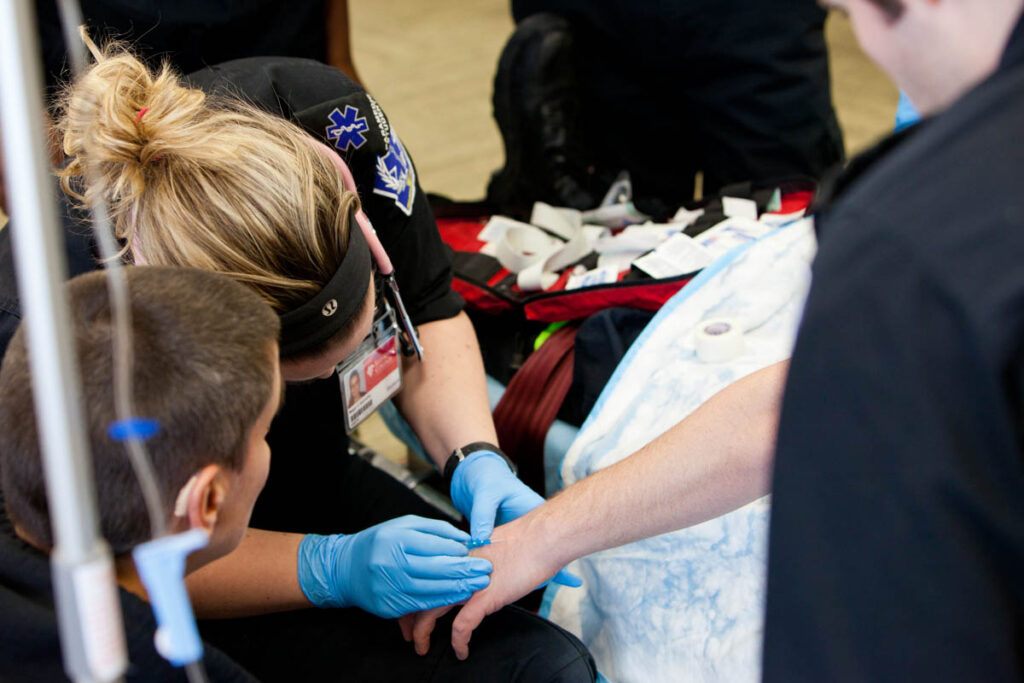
473 612
406 623
424 626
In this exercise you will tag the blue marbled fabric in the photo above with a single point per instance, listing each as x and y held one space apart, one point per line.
688 605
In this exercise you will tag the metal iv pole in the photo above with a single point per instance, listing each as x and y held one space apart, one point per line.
85 593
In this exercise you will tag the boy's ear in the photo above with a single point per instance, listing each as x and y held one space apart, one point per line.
203 496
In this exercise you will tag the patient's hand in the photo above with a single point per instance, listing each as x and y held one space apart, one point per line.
417 627
521 564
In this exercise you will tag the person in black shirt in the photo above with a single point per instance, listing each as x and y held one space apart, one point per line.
194 35
737 91
897 532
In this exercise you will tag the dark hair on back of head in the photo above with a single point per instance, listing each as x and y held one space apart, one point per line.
204 364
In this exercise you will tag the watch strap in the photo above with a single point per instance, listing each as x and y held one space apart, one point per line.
463 452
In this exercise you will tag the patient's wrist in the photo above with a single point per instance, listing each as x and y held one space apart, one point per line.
548 537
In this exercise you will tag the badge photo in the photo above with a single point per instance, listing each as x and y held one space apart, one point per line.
373 373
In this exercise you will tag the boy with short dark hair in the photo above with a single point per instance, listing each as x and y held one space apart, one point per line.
206 368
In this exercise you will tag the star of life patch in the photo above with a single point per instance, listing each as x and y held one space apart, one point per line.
347 128
396 177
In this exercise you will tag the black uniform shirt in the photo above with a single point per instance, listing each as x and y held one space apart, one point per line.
191 34
897 531
29 639
79 252
736 89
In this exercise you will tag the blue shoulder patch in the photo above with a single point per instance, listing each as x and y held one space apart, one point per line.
347 128
396 178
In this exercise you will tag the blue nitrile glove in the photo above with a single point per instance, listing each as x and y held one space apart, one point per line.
487 492
404 565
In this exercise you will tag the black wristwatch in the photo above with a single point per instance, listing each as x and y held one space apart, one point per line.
460 454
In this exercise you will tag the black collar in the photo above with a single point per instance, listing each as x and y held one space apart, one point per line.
1013 55
835 184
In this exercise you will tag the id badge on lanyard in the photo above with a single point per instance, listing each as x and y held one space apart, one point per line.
373 372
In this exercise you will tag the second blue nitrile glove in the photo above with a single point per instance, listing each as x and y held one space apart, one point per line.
487 492
400 566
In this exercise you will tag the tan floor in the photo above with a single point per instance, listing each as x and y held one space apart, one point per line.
431 65
864 97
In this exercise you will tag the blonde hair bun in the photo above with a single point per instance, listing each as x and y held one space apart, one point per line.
122 118
207 182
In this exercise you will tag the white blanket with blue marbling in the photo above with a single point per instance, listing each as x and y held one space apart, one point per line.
685 606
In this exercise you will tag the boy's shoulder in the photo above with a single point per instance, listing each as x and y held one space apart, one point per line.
30 638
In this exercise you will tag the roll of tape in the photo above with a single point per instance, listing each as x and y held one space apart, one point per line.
719 340
535 278
523 245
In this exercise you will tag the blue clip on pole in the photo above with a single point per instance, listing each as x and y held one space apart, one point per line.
161 566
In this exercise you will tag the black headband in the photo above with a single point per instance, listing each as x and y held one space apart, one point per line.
317 320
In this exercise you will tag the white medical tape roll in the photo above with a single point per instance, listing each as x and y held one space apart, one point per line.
563 222
545 273
570 252
719 340
522 246
535 278
497 226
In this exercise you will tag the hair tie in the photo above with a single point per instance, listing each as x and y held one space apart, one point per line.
138 117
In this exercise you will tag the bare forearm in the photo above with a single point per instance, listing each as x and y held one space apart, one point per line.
714 461
444 397
718 459
260 576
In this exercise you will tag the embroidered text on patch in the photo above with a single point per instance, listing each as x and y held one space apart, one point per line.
347 128
378 114
396 178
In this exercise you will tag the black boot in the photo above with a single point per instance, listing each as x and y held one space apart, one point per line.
536 102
